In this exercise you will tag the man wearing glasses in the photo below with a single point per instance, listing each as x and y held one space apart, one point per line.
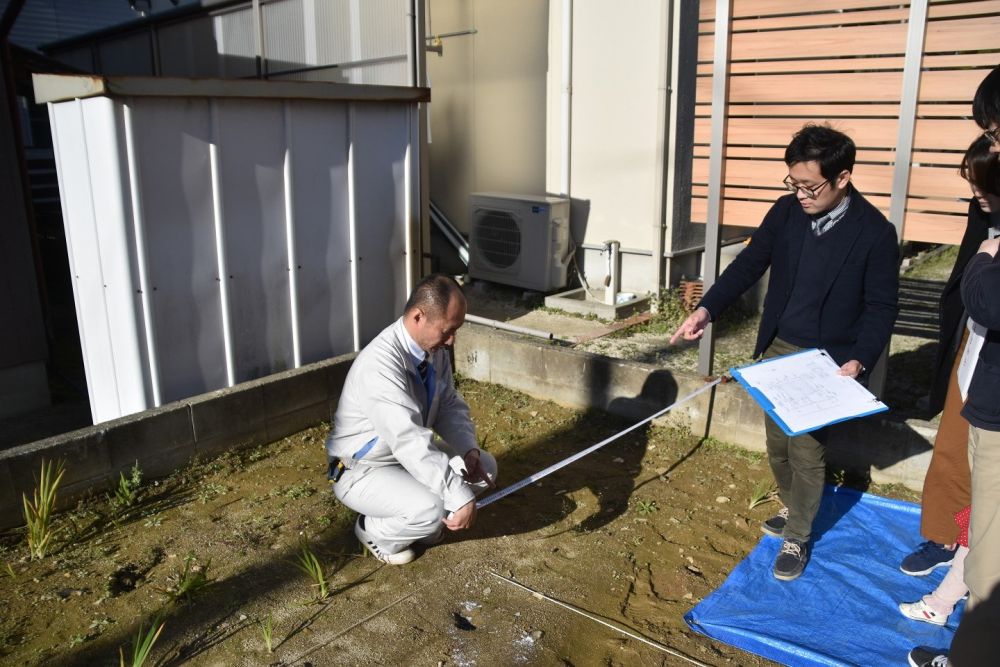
834 262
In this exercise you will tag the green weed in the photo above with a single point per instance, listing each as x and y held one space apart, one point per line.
126 492
190 580
308 563
303 490
645 507
38 514
258 453
143 645
210 491
711 443
764 491
266 626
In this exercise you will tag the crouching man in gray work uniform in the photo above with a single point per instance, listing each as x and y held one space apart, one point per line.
403 448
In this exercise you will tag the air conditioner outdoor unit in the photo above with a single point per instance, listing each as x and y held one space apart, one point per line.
519 240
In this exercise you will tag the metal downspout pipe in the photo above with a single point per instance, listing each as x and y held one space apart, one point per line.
513 328
662 202
566 107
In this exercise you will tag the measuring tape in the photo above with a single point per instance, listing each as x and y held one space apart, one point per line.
502 493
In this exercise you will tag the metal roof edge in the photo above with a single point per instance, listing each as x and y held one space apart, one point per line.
63 87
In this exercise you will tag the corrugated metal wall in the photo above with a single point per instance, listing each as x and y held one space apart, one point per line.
842 61
217 240
346 41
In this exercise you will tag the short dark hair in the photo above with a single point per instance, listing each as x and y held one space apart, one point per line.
986 103
833 150
981 167
433 294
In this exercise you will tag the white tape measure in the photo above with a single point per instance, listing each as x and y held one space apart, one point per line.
493 497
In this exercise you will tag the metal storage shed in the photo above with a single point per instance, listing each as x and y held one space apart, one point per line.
219 231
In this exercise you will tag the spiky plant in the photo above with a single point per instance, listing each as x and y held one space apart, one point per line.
308 563
143 646
38 511
266 626
190 580
764 491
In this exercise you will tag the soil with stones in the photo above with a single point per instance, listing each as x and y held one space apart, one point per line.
634 534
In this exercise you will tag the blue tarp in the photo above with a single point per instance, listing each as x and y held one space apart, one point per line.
843 609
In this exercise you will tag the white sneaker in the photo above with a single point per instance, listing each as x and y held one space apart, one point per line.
921 611
399 558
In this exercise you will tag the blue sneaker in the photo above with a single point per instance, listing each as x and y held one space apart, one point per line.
928 557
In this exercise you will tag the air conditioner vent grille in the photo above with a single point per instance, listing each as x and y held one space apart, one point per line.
498 238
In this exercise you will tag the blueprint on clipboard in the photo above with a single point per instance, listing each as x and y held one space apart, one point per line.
802 391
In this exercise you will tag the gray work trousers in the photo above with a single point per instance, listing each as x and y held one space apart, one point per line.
798 464
398 509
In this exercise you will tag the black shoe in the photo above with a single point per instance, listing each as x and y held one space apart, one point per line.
775 526
924 656
791 560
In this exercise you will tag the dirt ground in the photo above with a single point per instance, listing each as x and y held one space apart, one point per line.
635 534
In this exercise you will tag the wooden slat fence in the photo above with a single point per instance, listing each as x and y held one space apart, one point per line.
841 61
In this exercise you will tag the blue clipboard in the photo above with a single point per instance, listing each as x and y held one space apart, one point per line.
768 407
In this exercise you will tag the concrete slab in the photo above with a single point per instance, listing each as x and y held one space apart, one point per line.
591 302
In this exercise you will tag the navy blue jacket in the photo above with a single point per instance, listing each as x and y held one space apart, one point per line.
981 295
861 284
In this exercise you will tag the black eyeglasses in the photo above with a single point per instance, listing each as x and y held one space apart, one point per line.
993 135
810 193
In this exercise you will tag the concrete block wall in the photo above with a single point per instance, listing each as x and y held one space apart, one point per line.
165 438
889 451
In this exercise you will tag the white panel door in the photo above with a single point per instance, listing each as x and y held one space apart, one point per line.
318 150
380 135
251 161
102 118
70 143
172 138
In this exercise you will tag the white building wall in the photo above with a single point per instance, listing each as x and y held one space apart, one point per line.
487 114
496 116
615 87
